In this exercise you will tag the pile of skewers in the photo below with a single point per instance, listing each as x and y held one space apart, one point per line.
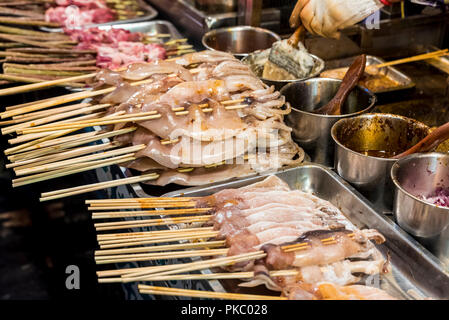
35 56
151 113
53 14
262 234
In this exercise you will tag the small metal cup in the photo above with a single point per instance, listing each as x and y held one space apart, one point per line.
383 132
313 131
240 41
419 175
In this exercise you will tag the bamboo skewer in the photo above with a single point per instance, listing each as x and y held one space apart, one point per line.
420 57
160 256
100 202
72 169
126 235
40 85
83 159
158 235
203 294
209 276
70 144
95 186
161 239
149 222
62 99
123 214
63 155
147 206
170 247
84 124
218 276
192 266
54 117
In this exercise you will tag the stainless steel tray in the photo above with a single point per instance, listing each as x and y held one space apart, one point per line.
151 13
416 273
405 82
148 27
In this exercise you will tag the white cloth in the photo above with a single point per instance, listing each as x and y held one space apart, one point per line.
326 17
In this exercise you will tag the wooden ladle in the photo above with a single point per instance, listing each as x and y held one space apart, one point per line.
352 77
435 138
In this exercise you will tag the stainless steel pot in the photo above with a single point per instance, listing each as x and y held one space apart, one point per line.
313 131
373 132
420 175
240 41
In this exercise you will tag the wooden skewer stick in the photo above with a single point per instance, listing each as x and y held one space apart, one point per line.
95 186
54 117
122 214
44 84
97 122
148 222
83 159
139 200
203 294
124 235
63 99
209 276
154 240
147 206
193 266
90 165
160 256
71 144
45 113
41 142
170 247
306 245
149 235
63 155
414 58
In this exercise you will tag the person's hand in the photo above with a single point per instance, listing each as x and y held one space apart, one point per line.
327 17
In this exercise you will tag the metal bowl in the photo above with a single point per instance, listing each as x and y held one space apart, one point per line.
256 61
373 132
239 41
313 131
420 175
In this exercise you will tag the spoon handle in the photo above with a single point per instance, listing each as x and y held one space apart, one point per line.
435 138
352 77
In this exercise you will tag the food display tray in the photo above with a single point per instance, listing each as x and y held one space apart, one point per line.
405 82
148 27
150 13
416 273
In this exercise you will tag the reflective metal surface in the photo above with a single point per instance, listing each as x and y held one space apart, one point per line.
403 81
240 41
256 61
420 175
313 131
373 132
150 13
416 273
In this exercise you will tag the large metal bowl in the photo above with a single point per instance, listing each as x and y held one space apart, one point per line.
420 175
373 132
256 61
240 41
313 131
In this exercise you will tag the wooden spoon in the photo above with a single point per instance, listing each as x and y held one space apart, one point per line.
435 138
352 77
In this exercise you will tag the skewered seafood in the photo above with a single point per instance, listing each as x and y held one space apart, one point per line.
295 243
200 124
